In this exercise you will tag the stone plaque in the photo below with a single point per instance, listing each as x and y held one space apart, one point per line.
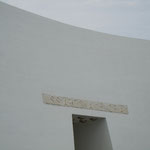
84 104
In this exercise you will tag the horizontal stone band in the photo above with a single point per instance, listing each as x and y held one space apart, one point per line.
84 104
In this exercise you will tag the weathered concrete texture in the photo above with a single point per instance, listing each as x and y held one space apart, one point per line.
84 119
77 103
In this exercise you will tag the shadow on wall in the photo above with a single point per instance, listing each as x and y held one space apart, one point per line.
91 133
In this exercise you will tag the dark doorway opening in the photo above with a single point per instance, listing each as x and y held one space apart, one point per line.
91 133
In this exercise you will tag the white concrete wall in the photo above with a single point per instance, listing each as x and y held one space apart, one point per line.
40 55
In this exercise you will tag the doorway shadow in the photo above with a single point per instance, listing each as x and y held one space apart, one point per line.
91 133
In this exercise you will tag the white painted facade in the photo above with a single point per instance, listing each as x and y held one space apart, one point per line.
38 55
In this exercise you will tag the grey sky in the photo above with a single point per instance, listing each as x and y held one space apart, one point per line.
121 17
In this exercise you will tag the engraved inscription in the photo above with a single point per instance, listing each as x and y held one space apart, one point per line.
84 104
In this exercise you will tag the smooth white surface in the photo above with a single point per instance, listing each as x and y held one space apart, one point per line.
38 55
